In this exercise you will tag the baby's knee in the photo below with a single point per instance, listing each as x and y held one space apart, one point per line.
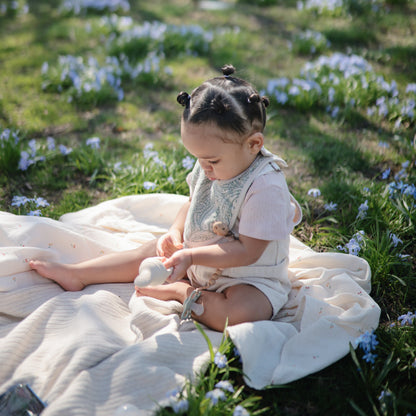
248 304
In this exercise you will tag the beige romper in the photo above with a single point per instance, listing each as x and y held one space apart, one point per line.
233 202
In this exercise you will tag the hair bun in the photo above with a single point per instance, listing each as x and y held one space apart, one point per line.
183 98
254 98
227 70
265 101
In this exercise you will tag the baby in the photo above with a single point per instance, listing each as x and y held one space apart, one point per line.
228 246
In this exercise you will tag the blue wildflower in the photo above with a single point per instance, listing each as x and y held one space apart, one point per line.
353 246
50 141
383 395
188 162
395 240
220 360
64 150
149 185
93 142
362 210
148 151
41 202
18 201
117 166
225 385
314 192
35 213
369 357
368 342
240 411
180 406
331 206
24 161
215 395
385 174
407 319
237 354
32 146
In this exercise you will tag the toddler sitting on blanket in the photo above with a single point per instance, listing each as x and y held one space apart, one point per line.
231 239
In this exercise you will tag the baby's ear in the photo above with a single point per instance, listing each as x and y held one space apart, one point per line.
255 142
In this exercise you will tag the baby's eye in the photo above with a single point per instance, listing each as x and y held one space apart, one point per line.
213 162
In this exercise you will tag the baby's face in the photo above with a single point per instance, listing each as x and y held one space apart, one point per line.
220 160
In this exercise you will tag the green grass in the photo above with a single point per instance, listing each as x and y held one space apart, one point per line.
344 156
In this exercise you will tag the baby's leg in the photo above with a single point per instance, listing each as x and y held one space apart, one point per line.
111 268
63 274
239 303
179 291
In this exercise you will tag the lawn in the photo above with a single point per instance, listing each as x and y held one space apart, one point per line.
88 113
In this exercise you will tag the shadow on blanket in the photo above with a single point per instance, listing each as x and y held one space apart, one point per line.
89 352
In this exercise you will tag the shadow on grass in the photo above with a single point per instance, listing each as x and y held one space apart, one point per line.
318 394
403 60
356 35
325 152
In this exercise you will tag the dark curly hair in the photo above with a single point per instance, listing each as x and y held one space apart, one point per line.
231 103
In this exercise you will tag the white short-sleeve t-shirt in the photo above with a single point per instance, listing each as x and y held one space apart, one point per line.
269 210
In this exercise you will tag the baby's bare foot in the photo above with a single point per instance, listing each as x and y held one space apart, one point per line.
168 291
59 273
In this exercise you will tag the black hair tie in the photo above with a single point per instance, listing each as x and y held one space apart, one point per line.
183 98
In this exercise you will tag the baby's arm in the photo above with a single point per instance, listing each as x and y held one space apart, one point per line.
172 240
237 304
237 253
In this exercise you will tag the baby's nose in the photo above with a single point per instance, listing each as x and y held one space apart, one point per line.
205 165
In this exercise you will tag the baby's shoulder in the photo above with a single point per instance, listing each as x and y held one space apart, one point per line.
269 180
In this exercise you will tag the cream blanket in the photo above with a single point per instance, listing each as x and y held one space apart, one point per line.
89 352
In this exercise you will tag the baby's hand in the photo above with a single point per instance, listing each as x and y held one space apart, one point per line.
168 244
180 261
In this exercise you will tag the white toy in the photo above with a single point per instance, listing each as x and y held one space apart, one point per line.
152 272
